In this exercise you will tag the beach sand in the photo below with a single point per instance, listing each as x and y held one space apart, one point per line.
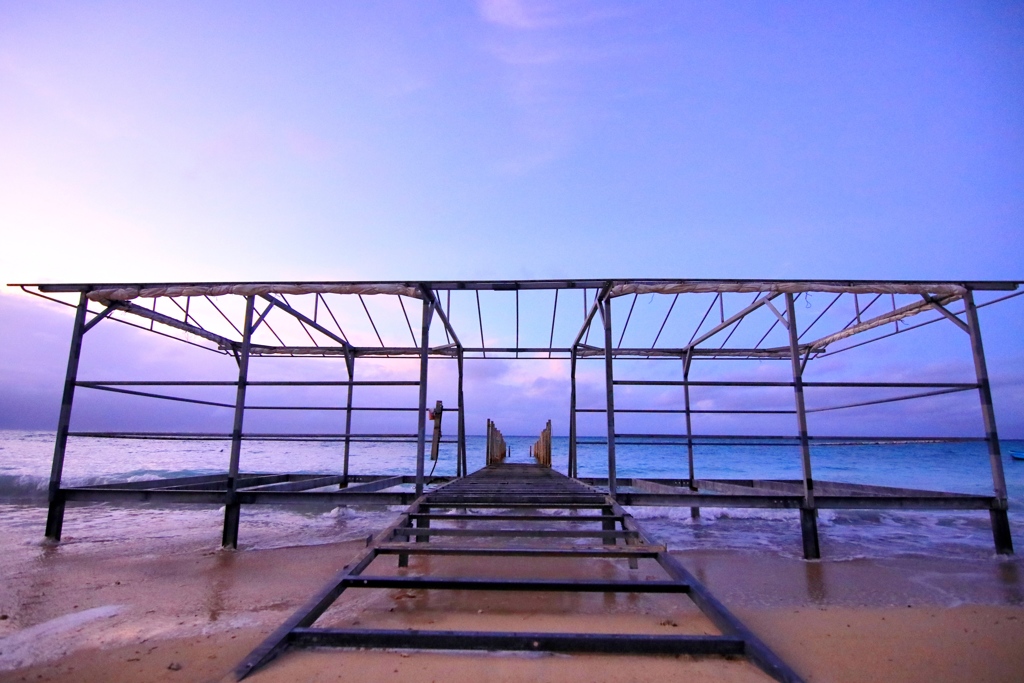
179 610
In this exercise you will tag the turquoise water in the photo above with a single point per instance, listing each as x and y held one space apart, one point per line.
964 467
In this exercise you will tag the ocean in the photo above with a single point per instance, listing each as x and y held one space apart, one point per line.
25 458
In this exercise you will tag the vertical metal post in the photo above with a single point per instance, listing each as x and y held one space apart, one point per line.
808 514
572 413
606 315
350 364
1000 522
421 432
232 508
460 455
55 514
694 512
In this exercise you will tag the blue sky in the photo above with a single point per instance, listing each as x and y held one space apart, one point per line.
509 139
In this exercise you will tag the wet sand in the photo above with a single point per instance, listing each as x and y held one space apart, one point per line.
182 611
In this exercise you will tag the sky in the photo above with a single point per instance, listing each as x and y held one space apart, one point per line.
504 139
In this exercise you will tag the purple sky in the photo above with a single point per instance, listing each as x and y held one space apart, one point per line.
504 139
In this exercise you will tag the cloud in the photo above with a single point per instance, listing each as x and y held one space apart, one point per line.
533 15
512 13
542 58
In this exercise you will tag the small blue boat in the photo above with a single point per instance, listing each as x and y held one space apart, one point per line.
1017 455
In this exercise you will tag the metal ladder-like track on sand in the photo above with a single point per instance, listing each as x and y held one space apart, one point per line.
525 497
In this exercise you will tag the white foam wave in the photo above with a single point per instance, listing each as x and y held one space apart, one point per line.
51 639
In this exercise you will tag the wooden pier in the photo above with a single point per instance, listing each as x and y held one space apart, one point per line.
542 514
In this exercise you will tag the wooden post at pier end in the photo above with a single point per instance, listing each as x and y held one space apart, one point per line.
55 513
541 449
808 513
232 508
497 449
606 315
1000 521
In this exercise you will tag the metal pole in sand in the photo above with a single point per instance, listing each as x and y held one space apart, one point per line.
694 512
460 455
606 315
55 514
421 433
1000 522
808 514
572 412
232 508
350 364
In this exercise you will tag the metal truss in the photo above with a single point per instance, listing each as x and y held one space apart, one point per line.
680 320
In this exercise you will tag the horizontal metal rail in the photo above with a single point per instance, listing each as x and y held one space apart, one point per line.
252 383
455 517
220 436
340 497
372 409
514 533
834 385
880 401
183 482
706 285
609 552
522 642
793 502
683 411
547 585
781 438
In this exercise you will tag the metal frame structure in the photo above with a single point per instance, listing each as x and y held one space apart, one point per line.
224 318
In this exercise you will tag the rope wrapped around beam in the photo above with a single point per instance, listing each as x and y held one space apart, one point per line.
713 287
128 293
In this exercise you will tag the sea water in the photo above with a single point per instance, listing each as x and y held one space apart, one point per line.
25 460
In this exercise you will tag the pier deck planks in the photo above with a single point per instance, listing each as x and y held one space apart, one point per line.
549 507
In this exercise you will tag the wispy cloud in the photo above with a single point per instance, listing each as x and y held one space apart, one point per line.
543 55
531 15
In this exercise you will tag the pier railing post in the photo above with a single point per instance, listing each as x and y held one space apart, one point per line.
55 514
606 315
232 508
694 512
572 413
808 513
350 364
1000 521
421 432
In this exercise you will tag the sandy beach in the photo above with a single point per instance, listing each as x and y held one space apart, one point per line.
181 610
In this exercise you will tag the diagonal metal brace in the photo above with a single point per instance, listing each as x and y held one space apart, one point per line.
309 321
937 305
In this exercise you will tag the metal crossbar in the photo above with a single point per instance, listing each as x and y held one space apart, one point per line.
506 486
